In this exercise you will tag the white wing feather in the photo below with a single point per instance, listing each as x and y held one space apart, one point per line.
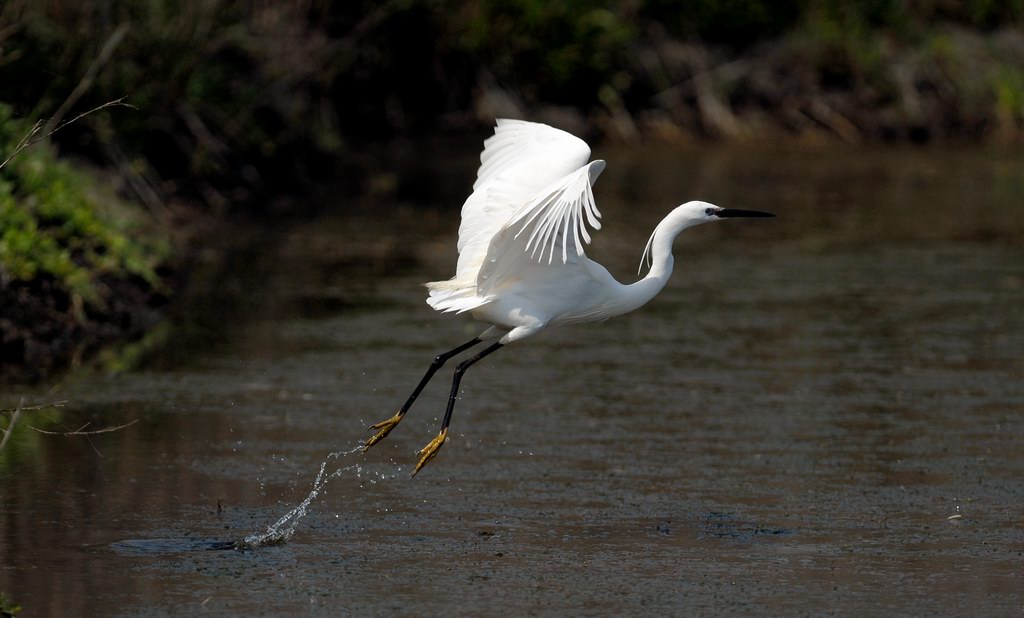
548 231
532 195
518 161
561 207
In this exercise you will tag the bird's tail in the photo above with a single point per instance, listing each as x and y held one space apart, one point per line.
453 296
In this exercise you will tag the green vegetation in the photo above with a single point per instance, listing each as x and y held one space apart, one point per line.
56 222
8 608
78 266
231 98
559 52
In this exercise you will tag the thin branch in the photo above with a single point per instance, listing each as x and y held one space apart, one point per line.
25 141
10 429
52 404
28 141
15 413
81 430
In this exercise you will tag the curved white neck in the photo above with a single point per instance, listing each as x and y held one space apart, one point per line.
636 295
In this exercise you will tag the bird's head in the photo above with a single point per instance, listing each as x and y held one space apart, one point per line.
689 215
695 213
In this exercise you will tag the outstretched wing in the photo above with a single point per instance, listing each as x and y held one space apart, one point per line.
549 230
518 162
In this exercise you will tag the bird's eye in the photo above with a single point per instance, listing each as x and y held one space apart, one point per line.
709 211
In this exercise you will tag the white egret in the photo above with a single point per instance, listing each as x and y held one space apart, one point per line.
521 265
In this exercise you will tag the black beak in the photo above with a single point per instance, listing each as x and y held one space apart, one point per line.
733 212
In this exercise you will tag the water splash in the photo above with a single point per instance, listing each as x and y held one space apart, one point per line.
280 531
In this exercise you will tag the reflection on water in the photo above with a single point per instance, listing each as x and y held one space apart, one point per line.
792 426
154 547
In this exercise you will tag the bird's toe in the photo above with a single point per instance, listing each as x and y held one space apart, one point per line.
430 450
383 429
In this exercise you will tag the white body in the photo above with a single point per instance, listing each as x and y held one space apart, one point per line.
522 265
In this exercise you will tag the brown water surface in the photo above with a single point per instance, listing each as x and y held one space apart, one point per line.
822 413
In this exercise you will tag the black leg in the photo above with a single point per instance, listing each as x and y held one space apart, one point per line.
430 450
461 369
384 427
436 364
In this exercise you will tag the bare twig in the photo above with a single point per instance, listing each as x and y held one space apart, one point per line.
28 141
25 141
10 429
15 413
81 430
90 75
52 404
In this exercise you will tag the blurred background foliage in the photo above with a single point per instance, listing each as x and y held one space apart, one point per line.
237 99
240 101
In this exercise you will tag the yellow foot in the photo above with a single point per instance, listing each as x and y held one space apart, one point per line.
384 428
430 450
